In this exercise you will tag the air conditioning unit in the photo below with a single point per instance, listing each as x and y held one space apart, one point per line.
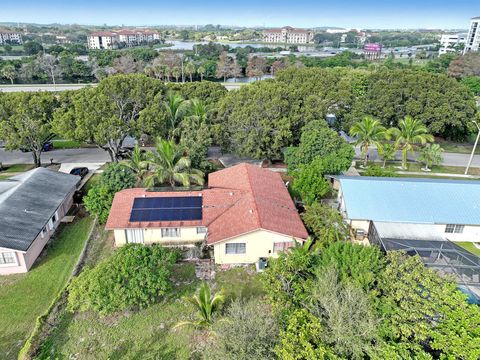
359 234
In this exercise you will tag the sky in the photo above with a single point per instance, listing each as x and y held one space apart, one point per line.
384 14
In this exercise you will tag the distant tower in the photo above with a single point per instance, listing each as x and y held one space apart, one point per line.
473 38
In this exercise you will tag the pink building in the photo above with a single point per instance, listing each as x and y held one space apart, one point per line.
31 207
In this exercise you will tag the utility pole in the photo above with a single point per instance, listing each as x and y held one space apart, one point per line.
474 147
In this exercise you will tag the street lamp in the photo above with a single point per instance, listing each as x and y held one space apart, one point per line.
474 147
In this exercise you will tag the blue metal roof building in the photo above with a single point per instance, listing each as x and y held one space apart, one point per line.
407 200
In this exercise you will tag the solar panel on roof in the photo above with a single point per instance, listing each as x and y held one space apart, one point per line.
178 208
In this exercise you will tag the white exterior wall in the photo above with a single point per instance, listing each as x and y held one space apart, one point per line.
188 236
258 244
447 42
12 37
473 37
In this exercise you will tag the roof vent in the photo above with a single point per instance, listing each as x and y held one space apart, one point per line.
231 193
250 211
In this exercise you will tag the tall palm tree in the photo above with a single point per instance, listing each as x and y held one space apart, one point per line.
369 131
176 108
138 164
198 111
170 166
410 132
386 151
206 304
431 155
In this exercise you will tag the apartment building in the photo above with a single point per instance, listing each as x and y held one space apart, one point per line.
450 42
473 38
127 37
288 35
10 37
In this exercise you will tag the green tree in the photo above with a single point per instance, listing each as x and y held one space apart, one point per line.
99 198
25 121
135 276
319 141
346 313
32 47
324 224
431 154
409 133
138 163
386 151
201 71
108 113
248 331
170 166
176 108
309 181
9 72
206 303
190 70
422 310
368 131
473 83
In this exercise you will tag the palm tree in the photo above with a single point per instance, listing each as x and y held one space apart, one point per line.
206 304
409 133
9 72
198 111
386 151
190 69
170 166
201 71
431 155
176 108
138 164
369 131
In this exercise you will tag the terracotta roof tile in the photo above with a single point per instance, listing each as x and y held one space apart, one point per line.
239 200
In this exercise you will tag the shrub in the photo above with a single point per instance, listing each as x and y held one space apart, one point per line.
249 331
378 171
135 276
325 224
99 198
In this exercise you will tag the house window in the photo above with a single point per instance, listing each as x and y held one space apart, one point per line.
55 217
201 230
134 236
171 232
235 248
8 258
454 228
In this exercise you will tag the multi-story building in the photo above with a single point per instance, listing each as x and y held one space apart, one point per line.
10 37
128 37
288 35
473 38
102 40
450 42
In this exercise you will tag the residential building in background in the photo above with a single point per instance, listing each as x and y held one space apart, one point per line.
124 37
245 216
10 37
288 35
451 43
473 38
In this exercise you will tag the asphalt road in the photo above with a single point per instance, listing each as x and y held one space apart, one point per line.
95 155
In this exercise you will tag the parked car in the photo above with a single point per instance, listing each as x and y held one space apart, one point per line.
46 147
80 171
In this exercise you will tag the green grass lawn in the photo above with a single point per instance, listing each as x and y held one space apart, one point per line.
148 333
65 144
417 167
26 296
469 247
16 168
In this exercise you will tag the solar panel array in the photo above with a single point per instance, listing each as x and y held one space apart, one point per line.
175 208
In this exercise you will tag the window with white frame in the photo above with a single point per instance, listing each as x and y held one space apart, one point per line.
171 232
201 230
454 228
282 246
7 258
134 236
235 248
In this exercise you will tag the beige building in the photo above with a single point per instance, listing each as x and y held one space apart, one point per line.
10 37
246 214
127 37
288 35
31 207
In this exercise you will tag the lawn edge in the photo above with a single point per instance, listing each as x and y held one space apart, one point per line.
34 341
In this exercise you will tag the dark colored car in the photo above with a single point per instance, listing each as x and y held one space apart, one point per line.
80 171
46 147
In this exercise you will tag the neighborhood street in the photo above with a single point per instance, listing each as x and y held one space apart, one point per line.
95 155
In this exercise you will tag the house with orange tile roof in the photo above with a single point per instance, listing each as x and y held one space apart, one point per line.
245 214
